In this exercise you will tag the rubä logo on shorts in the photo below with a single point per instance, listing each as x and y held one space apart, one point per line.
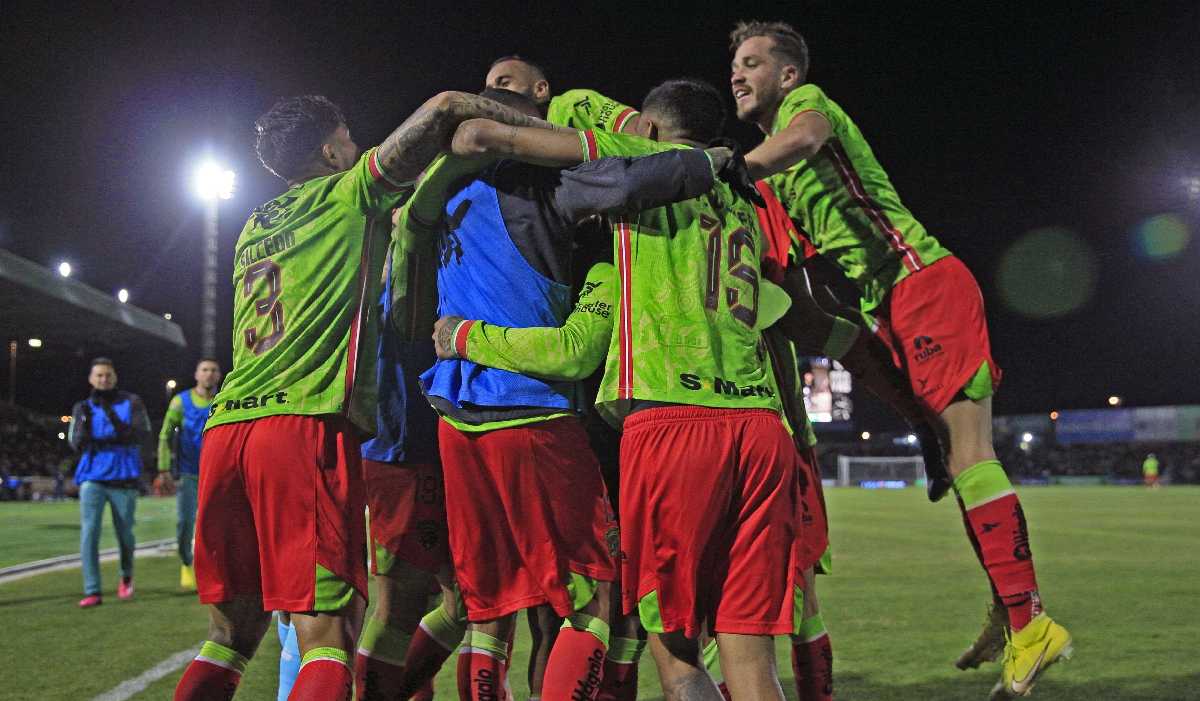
586 688
722 386
926 348
251 402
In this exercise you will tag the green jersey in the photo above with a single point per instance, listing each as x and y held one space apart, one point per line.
588 109
307 279
687 305
847 205
570 352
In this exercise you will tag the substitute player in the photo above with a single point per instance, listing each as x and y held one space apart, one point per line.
180 438
919 298
281 504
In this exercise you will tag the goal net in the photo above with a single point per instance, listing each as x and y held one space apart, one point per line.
881 472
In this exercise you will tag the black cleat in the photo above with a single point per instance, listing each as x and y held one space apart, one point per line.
937 479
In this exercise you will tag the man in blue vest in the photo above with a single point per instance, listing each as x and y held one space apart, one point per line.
179 442
106 429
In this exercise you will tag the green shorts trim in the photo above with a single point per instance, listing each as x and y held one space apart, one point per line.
331 592
980 386
649 612
581 589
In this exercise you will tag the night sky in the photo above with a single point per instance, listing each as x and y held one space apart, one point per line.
993 120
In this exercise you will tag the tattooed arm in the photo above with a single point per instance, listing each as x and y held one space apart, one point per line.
411 148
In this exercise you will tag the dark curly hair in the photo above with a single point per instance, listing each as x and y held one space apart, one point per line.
691 106
289 135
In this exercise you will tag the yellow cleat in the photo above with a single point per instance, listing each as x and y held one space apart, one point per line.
1028 654
991 640
187 577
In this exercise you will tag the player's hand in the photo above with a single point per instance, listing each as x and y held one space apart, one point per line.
168 482
443 337
720 156
733 171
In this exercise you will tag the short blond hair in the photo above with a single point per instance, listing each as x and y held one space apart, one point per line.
786 42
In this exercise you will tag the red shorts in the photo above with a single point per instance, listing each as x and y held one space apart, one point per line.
814 535
934 324
526 505
407 502
281 513
708 518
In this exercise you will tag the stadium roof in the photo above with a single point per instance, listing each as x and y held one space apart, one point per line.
39 303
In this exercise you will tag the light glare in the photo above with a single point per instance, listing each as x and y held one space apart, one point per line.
912 438
123 295
35 343
1027 437
1114 401
212 182
866 435
170 384
64 269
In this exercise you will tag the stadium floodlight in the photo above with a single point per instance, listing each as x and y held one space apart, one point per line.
170 384
1054 416
167 316
62 436
1114 401
35 343
64 269
1027 437
213 183
123 295
65 419
912 438
866 435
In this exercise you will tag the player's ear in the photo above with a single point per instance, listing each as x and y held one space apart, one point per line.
790 78
541 91
647 129
329 156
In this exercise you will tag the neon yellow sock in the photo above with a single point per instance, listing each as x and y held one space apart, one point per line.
384 643
591 624
325 653
215 653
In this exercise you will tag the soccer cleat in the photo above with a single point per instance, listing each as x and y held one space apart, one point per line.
1029 654
990 643
937 480
125 590
187 577
90 600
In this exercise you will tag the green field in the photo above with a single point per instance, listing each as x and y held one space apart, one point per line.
1120 567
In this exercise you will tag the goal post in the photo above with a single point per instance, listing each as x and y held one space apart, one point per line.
853 470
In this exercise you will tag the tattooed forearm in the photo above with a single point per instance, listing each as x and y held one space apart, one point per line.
427 131
512 141
443 337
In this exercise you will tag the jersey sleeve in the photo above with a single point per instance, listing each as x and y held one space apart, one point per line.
588 109
421 213
806 98
366 189
570 352
172 421
599 144
623 185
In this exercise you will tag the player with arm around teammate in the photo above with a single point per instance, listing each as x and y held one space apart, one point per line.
280 523
920 300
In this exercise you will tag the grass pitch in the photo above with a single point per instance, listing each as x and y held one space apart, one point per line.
1119 567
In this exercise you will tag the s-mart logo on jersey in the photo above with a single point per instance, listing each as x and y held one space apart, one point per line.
251 402
721 386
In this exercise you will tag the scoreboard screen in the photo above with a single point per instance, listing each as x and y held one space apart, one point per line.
826 389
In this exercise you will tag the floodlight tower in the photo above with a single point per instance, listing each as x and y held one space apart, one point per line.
213 185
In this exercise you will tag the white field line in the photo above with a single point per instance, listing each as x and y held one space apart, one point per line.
156 548
129 687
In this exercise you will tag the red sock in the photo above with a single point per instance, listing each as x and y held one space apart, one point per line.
1003 544
480 676
812 664
620 682
425 659
323 679
575 667
206 681
724 689
376 680
425 693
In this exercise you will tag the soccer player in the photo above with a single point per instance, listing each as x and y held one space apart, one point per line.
180 438
578 109
1150 471
708 468
280 524
515 456
920 299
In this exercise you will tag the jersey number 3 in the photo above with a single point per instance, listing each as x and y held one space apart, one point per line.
735 267
264 306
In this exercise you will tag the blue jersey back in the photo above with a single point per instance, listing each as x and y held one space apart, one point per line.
191 434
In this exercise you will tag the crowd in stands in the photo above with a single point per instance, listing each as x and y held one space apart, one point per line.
30 449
